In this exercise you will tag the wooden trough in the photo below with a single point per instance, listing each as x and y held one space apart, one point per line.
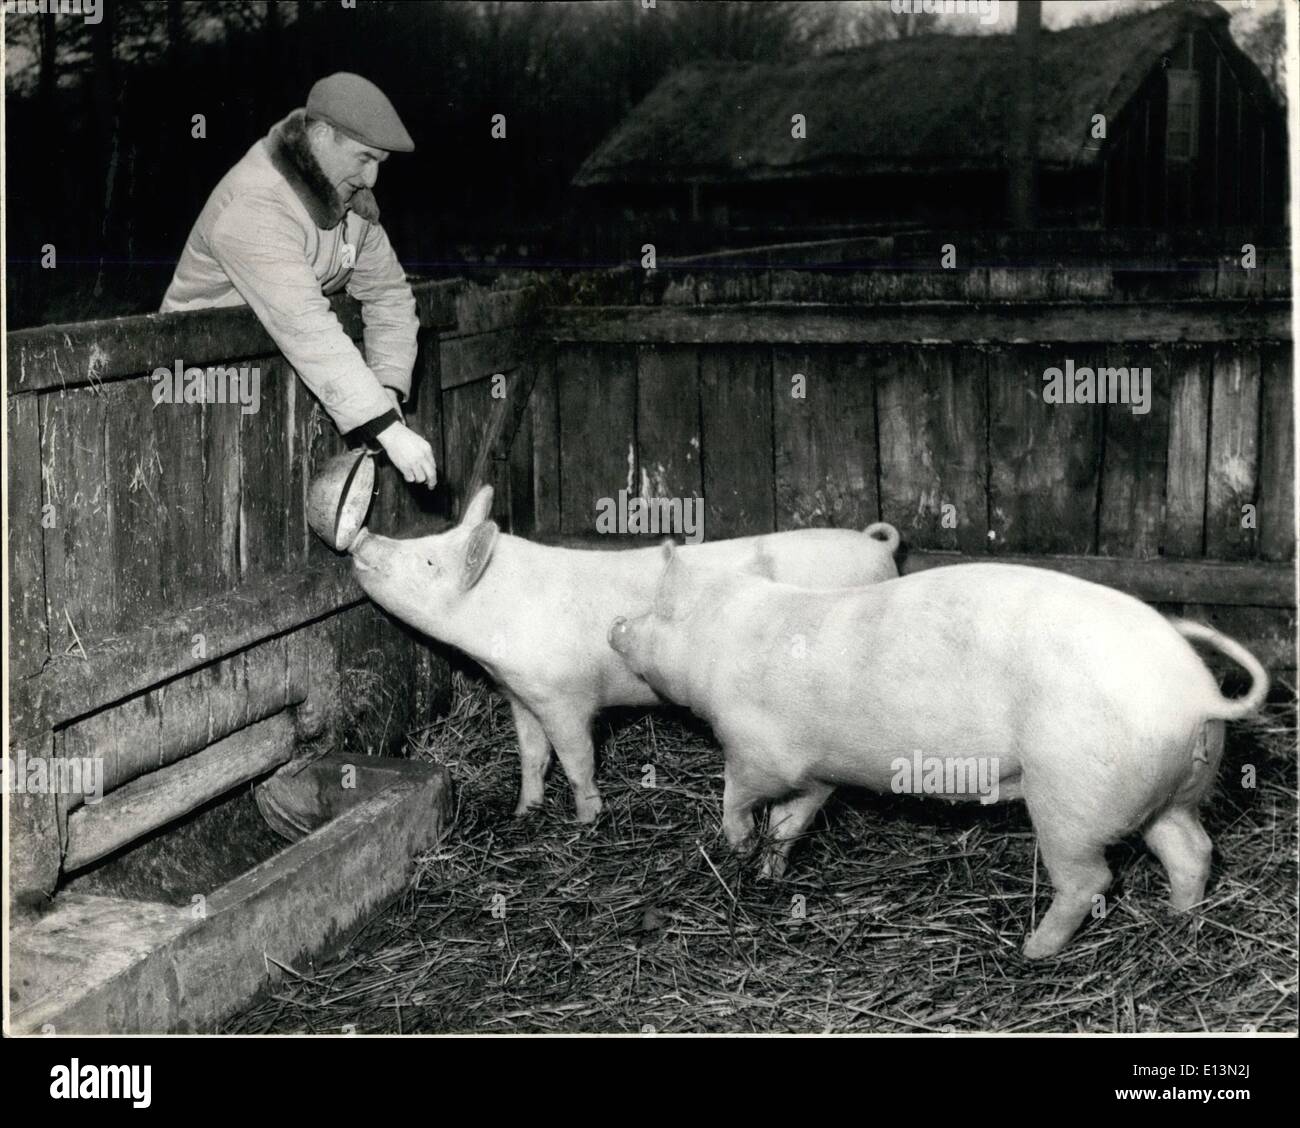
99 963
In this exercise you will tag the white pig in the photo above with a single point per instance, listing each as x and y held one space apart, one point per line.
1077 698
535 617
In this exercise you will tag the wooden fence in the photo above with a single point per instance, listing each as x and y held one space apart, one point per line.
165 591
788 398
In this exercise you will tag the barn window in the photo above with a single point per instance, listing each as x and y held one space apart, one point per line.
1183 119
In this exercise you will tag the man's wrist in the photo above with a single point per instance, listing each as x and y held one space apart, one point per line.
373 428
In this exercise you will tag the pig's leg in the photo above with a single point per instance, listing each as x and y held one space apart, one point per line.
787 821
1177 838
534 756
1079 873
570 732
742 791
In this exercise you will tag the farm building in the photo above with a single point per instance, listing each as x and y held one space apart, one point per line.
916 130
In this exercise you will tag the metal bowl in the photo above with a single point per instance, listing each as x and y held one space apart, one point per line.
339 498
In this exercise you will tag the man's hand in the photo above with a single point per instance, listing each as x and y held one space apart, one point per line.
412 456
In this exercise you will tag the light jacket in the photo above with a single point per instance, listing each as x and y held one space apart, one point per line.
274 235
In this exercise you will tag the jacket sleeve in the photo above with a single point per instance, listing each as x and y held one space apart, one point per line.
379 283
262 249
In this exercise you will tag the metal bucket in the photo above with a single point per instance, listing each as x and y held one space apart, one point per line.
339 498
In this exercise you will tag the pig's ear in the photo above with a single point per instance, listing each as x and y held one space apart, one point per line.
478 552
479 508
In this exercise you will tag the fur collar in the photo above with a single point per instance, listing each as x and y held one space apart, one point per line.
293 159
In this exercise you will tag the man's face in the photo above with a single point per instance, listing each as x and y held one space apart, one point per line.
348 164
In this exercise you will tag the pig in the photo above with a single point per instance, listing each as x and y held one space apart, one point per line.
1080 700
535 617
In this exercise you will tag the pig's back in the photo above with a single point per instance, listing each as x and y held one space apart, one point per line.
809 558
1065 636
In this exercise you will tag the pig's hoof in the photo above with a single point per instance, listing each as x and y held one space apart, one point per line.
523 809
589 810
1039 948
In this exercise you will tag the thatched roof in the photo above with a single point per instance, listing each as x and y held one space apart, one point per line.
928 103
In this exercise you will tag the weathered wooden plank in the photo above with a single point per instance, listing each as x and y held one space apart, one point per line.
1135 459
29 640
1044 459
221 486
597 403
135 500
1276 493
35 847
545 410
136 808
1233 455
125 738
264 488
114 668
467 359
931 322
483 311
668 423
1189 434
519 459
1157 581
736 441
421 507
468 411
932 408
97 352
825 438
79 550
185 556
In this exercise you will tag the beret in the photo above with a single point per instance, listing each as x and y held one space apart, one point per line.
360 109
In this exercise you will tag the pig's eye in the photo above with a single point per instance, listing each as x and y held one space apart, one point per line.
430 563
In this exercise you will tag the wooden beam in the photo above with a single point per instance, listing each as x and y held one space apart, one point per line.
97 352
1075 322
1155 581
114 668
160 797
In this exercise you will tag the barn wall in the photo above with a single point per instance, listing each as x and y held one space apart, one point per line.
924 407
165 589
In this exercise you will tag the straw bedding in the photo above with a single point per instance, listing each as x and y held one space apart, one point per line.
897 914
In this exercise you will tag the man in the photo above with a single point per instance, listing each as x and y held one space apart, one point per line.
294 221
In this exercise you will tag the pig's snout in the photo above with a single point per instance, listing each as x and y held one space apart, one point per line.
364 552
618 633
